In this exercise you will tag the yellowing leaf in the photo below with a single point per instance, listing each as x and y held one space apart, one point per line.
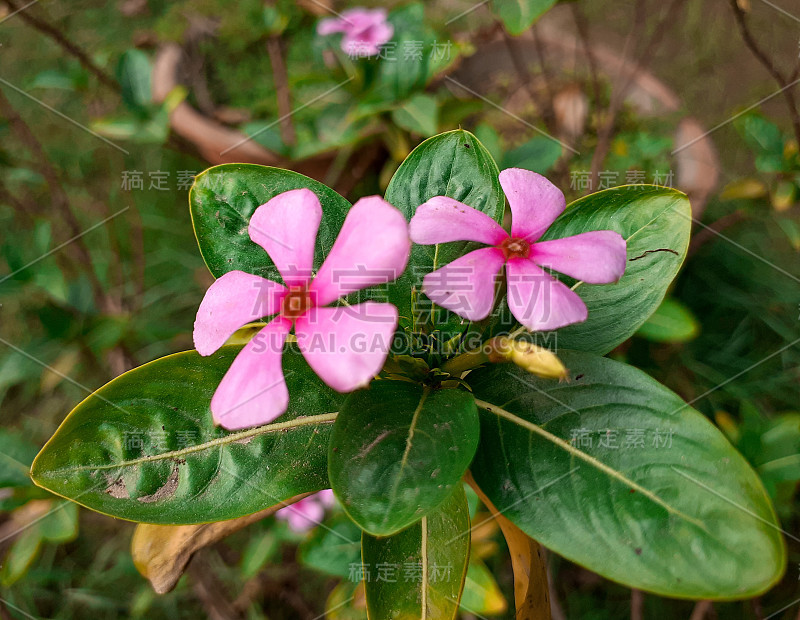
161 552
744 188
531 593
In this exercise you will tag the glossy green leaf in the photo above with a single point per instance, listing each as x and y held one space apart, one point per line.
519 15
615 472
453 164
223 199
398 450
671 322
144 447
656 222
420 114
420 572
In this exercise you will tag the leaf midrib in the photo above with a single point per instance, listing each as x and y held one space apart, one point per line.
409 444
325 418
535 428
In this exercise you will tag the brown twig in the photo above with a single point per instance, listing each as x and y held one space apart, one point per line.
545 105
582 27
56 35
784 82
701 609
556 608
757 609
281 77
209 591
637 605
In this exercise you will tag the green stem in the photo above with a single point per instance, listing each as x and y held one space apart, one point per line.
466 361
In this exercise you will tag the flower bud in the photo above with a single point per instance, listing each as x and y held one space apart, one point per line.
535 359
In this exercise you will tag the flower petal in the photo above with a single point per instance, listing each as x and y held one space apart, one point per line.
442 219
326 498
538 300
535 202
347 345
372 248
303 514
253 391
233 300
596 257
331 25
286 227
467 285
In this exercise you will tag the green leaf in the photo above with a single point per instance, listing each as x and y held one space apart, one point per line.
615 472
223 199
655 221
519 15
766 140
539 154
16 455
258 551
420 572
144 447
397 451
671 322
420 114
412 62
453 164
21 556
333 549
346 602
133 74
61 523
482 595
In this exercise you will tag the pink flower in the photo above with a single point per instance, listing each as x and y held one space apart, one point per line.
345 345
466 286
308 512
364 30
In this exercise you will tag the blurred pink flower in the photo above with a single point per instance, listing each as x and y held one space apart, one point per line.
345 345
466 286
364 30
308 512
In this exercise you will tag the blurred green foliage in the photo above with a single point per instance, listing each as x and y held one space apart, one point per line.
727 335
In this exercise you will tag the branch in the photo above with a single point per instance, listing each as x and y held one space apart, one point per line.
765 60
281 78
55 34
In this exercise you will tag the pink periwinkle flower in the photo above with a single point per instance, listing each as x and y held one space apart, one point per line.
345 345
308 512
365 30
540 302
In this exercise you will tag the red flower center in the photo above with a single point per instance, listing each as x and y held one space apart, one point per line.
296 303
515 248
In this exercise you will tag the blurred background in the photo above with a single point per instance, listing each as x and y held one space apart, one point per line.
107 110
